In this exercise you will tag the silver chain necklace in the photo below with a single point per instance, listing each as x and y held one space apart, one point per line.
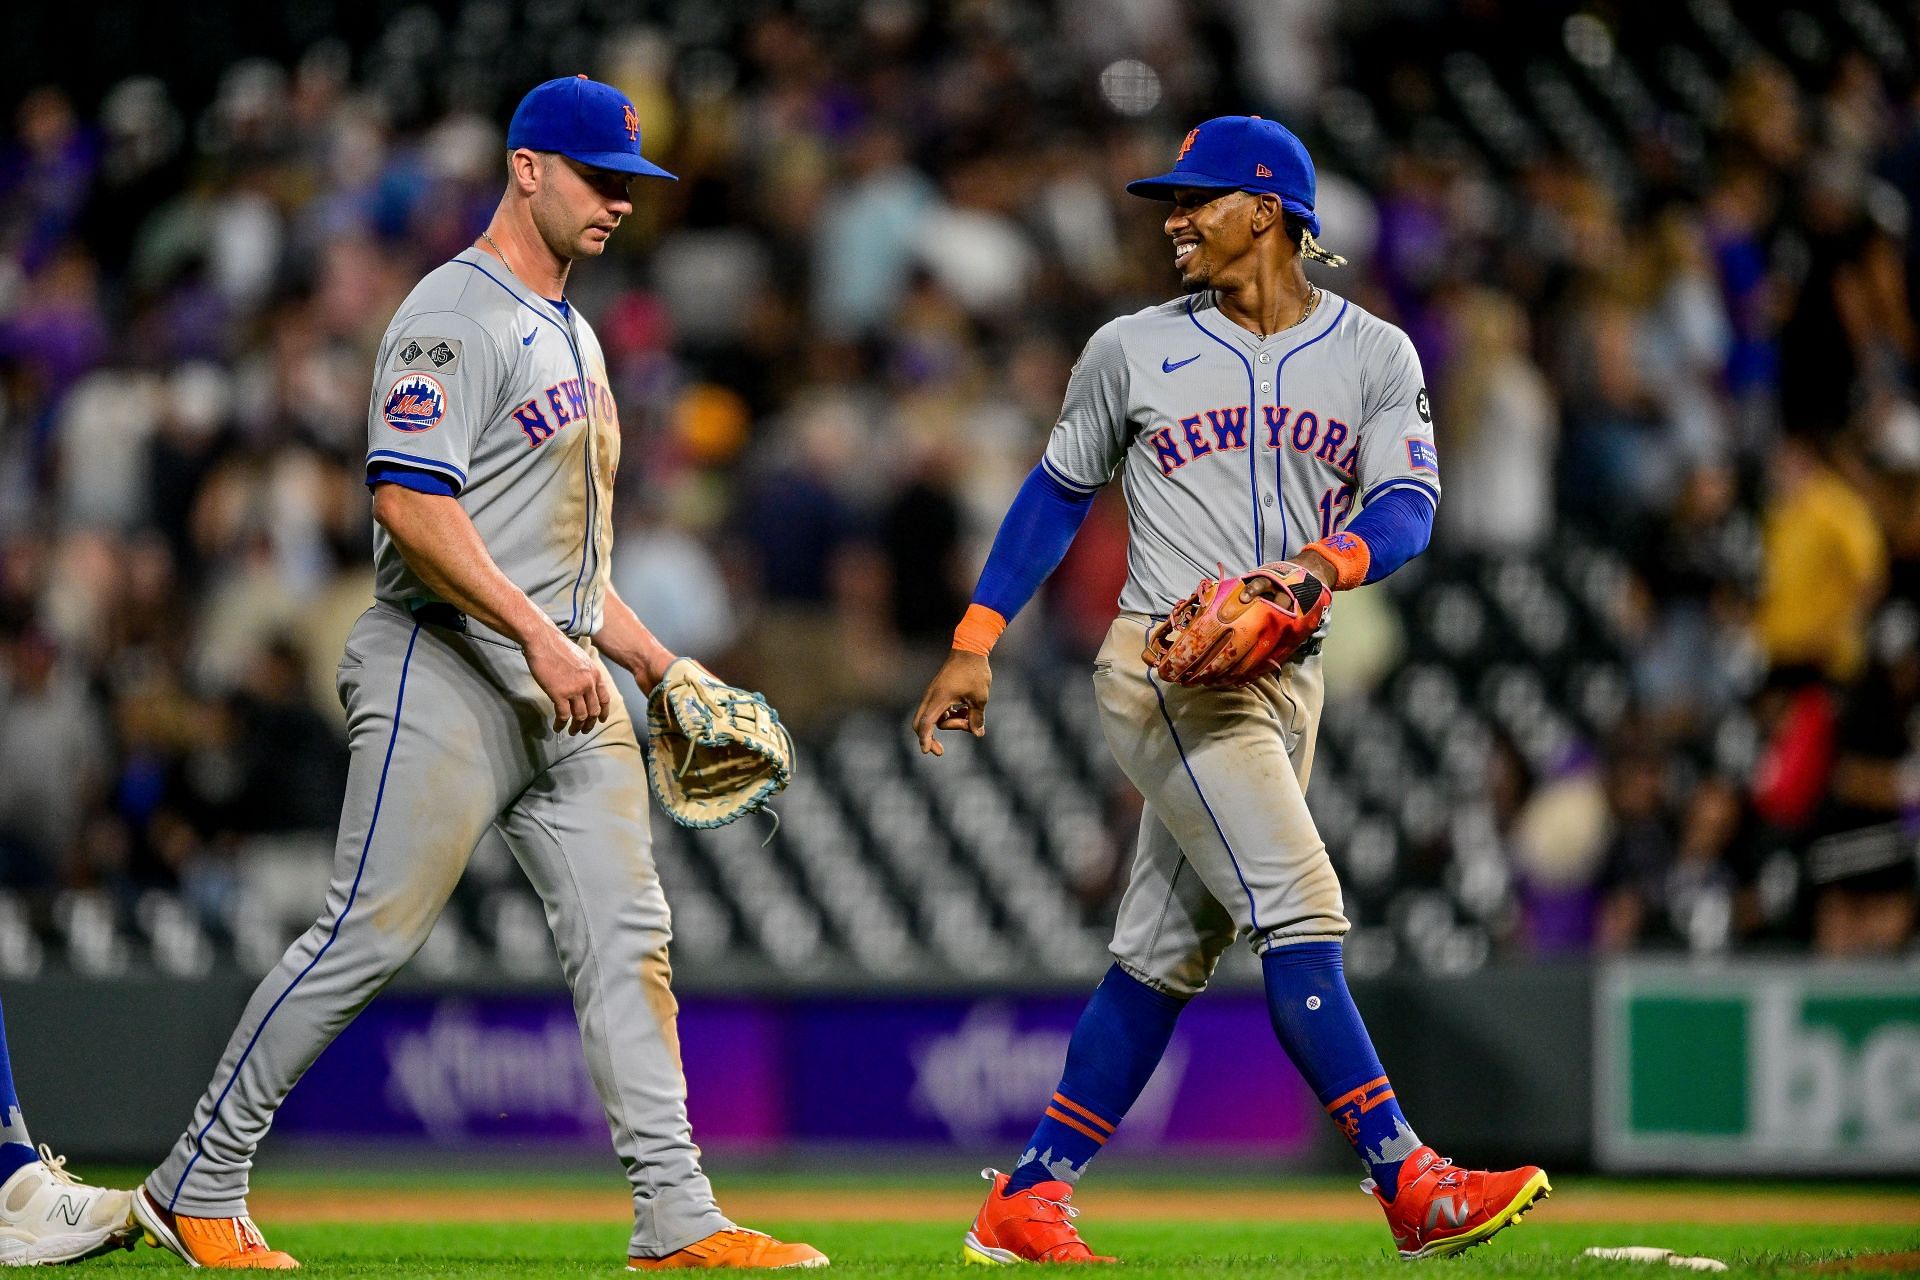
503 257
1313 300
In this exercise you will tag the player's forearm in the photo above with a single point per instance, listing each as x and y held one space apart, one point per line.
626 640
439 543
1033 539
1385 535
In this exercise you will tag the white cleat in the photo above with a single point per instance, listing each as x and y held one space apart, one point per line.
47 1215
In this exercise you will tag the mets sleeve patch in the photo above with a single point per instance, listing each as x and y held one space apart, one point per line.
1422 456
415 402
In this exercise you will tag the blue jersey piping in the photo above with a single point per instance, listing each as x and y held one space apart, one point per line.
1253 445
1279 470
593 494
1402 482
425 464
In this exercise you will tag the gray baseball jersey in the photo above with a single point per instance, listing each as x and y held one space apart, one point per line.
1240 450
504 396
492 387
1237 450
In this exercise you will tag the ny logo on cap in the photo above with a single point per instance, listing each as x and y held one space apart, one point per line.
631 120
1187 145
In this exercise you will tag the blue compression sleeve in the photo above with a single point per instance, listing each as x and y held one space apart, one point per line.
1033 538
1396 527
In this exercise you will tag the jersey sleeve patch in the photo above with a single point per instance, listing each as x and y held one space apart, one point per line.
415 402
1422 456
439 355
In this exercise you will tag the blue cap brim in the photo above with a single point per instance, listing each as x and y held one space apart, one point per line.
1163 187
621 162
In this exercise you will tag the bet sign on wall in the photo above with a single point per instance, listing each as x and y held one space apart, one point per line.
1758 1068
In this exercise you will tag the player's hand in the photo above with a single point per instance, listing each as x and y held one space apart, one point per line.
582 696
956 699
1316 564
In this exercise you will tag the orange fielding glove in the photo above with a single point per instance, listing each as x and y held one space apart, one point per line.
1232 632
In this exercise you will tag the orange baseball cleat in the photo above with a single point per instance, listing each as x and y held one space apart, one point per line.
233 1244
1441 1208
734 1247
1035 1225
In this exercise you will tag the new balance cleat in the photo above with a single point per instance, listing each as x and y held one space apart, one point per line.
47 1215
1035 1225
229 1244
735 1248
1442 1208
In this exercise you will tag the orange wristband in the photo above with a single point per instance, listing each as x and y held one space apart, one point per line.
978 630
1348 554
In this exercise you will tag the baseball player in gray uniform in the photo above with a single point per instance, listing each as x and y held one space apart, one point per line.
1256 419
478 696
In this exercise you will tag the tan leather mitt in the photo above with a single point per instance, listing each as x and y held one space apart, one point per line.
714 752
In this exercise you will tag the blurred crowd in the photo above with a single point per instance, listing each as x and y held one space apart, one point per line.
838 343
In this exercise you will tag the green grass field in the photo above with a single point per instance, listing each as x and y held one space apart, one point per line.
356 1225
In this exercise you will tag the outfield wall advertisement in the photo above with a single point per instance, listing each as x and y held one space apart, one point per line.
1754 1067
964 1073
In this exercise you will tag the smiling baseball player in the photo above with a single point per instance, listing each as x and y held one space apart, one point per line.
477 696
1267 424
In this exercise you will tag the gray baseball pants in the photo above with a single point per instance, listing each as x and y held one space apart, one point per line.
1227 846
449 735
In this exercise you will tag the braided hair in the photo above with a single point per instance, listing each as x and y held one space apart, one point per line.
1309 247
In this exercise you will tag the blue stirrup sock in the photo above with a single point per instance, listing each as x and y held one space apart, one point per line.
16 1148
1319 1027
1117 1043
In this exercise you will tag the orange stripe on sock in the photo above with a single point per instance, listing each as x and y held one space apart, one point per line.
1360 1096
1084 1114
1054 1113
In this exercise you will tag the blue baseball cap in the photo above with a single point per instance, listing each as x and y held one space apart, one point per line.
1241 153
583 120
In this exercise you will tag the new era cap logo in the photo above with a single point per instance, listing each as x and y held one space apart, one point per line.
1261 171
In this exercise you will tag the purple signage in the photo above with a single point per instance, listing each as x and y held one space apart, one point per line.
965 1072
761 1073
458 1068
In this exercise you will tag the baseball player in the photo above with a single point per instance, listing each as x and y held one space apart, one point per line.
46 1214
478 696
1257 418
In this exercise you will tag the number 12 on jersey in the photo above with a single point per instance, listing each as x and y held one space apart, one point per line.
1335 504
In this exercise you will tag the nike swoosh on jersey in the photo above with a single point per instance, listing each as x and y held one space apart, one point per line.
528 340
1168 366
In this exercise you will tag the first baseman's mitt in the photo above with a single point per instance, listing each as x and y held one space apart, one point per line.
714 752
1232 632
